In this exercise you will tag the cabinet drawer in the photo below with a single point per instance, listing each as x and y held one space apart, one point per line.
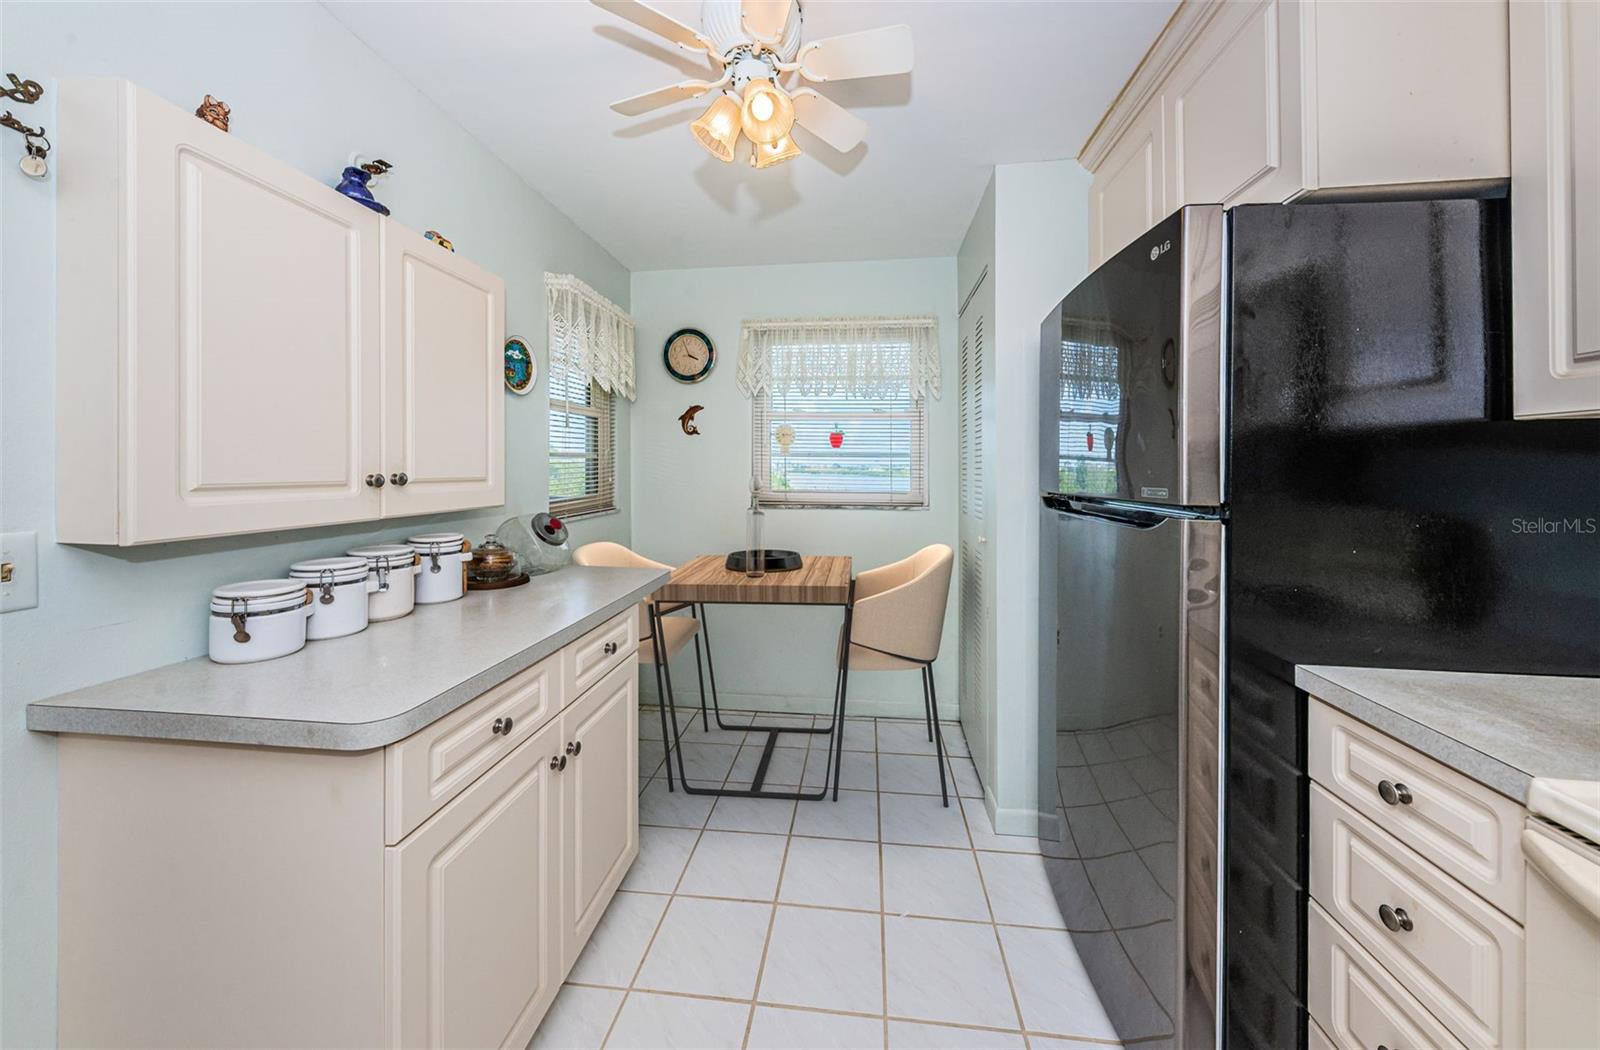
1460 957
429 768
1460 825
591 657
1357 1003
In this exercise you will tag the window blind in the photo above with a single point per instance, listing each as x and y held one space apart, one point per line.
864 446
583 469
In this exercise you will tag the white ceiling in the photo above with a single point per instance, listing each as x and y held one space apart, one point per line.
994 83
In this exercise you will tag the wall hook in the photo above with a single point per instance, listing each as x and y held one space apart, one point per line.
26 92
8 121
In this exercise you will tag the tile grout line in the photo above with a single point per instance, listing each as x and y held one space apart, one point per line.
883 900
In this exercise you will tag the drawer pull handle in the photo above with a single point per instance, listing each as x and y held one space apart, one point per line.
502 726
1394 794
1394 918
610 648
558 763
574 748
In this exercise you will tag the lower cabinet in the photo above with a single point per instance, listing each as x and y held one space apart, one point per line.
494 896
599 803
475 897
433 893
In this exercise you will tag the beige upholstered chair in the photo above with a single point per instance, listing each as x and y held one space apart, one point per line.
677 631
896 625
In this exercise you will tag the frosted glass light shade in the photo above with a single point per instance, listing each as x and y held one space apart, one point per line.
769 153
768 112
718 128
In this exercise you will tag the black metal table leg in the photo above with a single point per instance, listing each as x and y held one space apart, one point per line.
757 788
844 688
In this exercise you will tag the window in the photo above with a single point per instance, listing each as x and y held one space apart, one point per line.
583 468
840 411
591 365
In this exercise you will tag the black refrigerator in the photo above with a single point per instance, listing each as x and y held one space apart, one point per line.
1342 371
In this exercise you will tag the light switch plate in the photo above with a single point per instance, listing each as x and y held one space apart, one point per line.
19 553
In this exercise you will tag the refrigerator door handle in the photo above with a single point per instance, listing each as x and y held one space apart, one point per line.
1133 519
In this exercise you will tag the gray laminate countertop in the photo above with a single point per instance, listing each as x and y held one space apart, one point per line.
1502 730
362 691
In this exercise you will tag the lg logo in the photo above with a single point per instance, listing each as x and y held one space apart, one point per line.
1158 250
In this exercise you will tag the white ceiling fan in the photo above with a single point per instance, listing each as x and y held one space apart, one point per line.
756 44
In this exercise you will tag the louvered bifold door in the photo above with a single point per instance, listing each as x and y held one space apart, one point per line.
976 713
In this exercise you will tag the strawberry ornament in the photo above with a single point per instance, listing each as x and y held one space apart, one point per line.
836 439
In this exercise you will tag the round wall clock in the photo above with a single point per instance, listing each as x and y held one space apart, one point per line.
522 368
689 355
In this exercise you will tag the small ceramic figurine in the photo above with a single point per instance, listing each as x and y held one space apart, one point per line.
353 184
438 238
214 112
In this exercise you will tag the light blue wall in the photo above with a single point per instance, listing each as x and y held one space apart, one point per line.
690 494
306 91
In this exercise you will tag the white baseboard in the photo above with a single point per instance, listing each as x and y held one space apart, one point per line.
1027 823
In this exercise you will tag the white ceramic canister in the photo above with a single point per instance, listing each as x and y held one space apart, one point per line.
259 620
440 577
339 588
394 573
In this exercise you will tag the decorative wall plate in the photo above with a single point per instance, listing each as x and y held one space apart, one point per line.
522 368
689 355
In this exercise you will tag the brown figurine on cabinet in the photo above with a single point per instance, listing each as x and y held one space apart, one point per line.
214 112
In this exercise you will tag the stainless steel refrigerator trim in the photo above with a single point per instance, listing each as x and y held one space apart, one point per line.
1200 418
1203 614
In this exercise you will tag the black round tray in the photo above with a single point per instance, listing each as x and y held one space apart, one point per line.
771 561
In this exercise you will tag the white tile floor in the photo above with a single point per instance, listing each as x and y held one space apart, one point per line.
882 920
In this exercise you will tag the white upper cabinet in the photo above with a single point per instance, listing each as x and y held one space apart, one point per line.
222 347
1555 211
1127 197
444 333
1229 108
1260 101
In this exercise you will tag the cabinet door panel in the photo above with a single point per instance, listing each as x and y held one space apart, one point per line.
473 898
254 363
444 413
600 796
1555 214
1125 198
1231 110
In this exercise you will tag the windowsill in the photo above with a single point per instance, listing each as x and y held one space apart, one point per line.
586 515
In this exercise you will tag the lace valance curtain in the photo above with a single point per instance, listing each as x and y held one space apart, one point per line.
840 356
589 334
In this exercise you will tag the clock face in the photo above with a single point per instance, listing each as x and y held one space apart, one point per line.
689 356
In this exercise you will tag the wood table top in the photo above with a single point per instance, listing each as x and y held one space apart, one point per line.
822 579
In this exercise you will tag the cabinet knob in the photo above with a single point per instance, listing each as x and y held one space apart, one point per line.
375 481
1394 794
399 479
558 763
610 648
574 748
1394 918
502 726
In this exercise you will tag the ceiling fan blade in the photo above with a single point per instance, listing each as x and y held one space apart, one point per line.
828 120
632 107
646 17
765 19
872 53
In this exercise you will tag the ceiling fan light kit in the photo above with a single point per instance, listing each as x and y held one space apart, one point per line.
766 154
757 43
718 128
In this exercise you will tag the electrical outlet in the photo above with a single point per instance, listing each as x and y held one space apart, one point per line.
19 571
